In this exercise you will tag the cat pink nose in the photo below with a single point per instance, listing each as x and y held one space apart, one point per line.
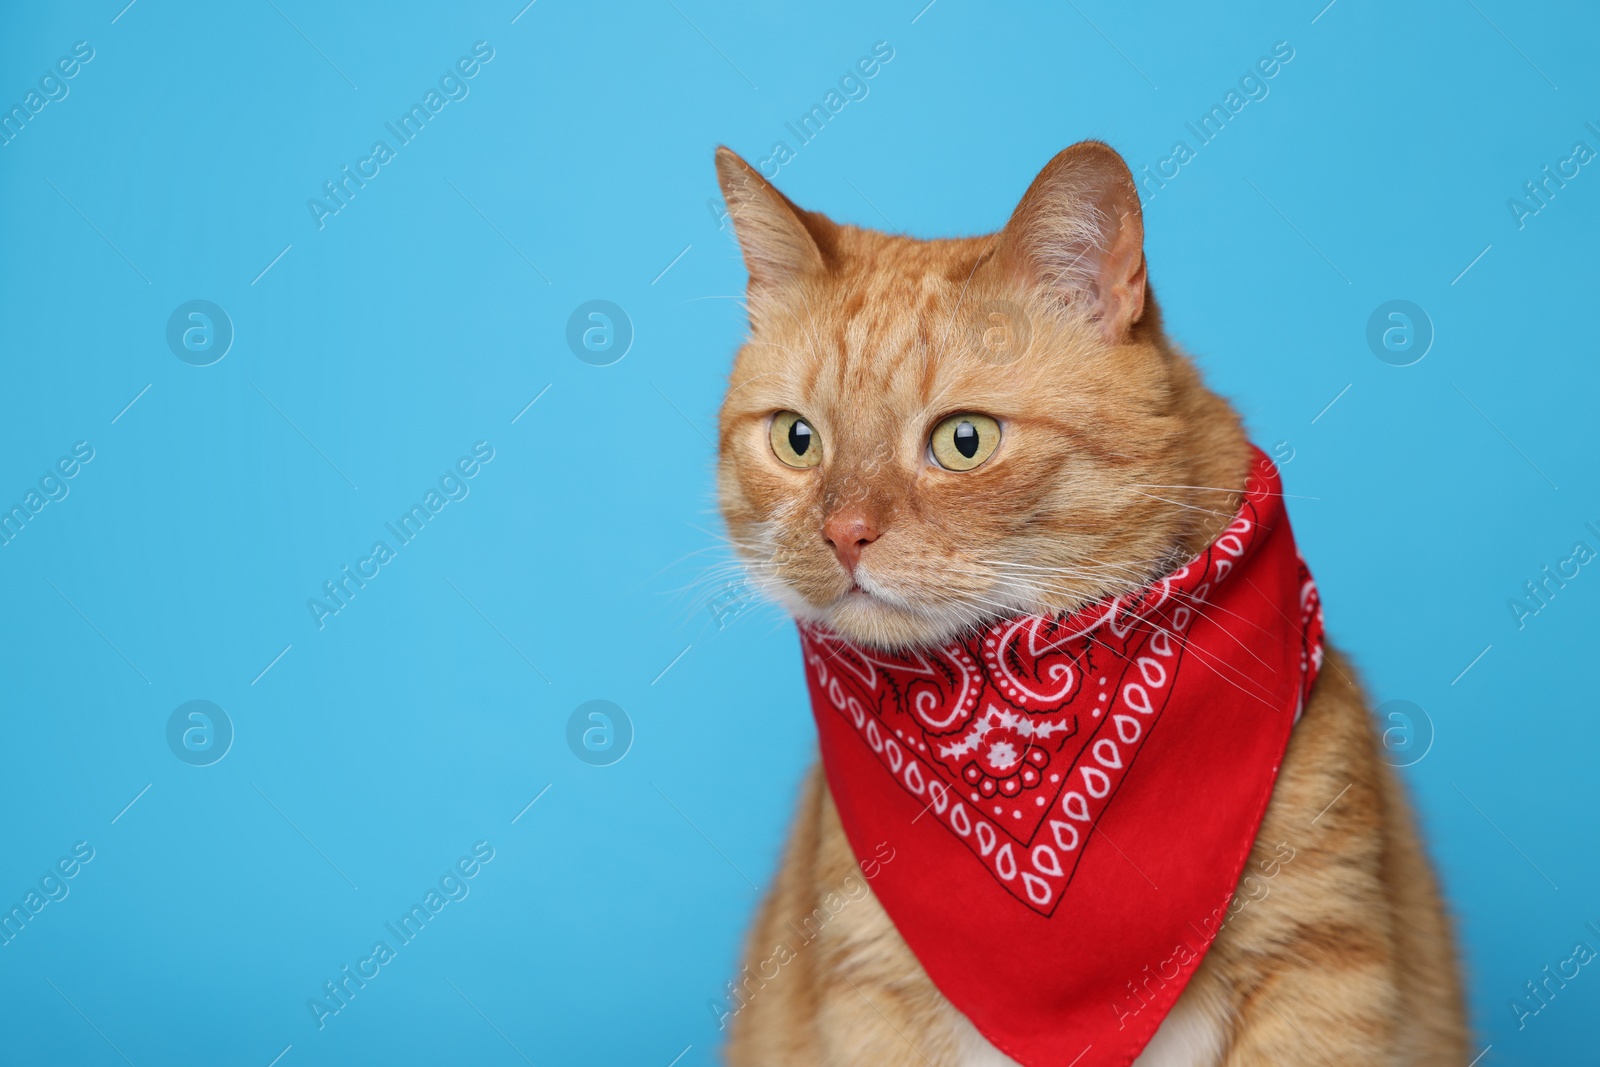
849 532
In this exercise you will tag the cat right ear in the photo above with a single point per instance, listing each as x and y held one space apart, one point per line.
779 241
1079 233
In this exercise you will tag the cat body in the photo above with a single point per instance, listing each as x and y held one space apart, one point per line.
922 437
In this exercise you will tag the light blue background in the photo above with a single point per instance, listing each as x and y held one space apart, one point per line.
429 312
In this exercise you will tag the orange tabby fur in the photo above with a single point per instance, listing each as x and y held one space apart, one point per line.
1115 462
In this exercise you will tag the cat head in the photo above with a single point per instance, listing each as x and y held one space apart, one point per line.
923 436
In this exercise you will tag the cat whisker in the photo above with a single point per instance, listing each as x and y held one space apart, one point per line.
1181 504
1150 569
1127 565
1220 665
1216 489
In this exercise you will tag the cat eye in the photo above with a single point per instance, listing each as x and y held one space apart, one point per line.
794 441
963 442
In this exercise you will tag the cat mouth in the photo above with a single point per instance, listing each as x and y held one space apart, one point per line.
858 596
868 593
863 587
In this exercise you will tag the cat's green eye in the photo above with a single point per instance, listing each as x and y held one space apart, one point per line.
794 441
963 442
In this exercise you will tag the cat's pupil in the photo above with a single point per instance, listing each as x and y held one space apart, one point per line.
967 439
799 437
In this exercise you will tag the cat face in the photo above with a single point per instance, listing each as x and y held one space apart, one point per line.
920 436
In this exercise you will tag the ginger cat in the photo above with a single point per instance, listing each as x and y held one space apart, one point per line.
860 344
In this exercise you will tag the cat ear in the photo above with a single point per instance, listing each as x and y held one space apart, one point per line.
1079 232
778 239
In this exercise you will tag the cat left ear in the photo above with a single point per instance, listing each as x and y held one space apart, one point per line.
1079 232
778 239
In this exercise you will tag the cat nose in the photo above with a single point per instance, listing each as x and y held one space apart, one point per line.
849 532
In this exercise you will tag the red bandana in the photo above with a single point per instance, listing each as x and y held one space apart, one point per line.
1074 798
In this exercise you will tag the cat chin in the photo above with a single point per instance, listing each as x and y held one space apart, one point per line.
883 621
874 622
896 633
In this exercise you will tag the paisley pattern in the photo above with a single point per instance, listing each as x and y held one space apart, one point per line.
1018 737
